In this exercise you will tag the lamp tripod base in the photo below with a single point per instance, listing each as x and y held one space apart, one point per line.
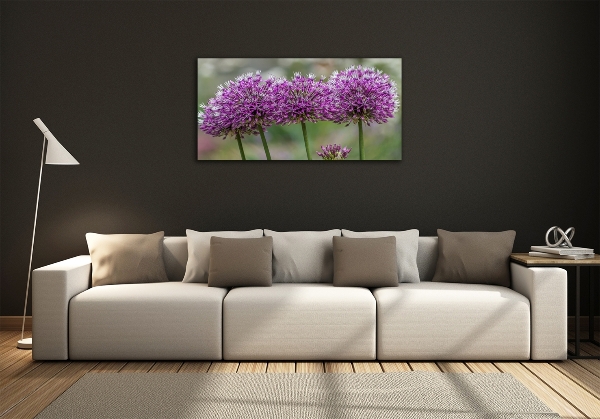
26 343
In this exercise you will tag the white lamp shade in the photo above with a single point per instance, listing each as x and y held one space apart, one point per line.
56 153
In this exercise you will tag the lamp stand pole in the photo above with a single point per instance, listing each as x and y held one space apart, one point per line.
28 343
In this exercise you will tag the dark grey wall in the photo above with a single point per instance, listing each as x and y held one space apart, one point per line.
500 111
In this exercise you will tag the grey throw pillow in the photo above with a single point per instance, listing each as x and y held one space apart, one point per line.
240 262
474 257
365 262
407 246
126 258
302 256
196 269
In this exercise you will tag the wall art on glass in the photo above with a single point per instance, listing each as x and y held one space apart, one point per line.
299 109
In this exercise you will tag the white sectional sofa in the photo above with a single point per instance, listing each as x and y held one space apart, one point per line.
176 320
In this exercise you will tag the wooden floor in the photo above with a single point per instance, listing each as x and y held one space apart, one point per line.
570 388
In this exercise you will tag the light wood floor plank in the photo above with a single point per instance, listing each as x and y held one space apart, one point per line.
194 366
50 390
453 367
482 367
289 367
11 357
166 366
310 367
105 367
17 370
591 349
580 398
592 365
223 367
137 367
345 367
7 348
544 392
28 383
580 375
374 367
395 366
252 367
12 337
424 366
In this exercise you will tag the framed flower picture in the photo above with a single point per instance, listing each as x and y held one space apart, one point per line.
319 109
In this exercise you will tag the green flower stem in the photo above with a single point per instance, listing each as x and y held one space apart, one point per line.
264 141
306 140
239 141
361 144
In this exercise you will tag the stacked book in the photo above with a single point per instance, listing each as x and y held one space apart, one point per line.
562 252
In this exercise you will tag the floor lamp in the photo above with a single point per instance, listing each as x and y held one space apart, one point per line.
55 153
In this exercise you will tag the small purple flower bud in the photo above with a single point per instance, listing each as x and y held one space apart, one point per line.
334 152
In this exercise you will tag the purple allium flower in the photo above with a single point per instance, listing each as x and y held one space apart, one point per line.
240 106
334 152
362 94
306 100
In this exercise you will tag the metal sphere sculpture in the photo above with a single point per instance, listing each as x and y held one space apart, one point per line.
565 237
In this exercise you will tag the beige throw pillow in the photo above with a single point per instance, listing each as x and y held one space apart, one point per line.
240 262
474 257
126 258
365 262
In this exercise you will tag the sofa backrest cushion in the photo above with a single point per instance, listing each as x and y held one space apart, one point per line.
427 257
175 254
303 256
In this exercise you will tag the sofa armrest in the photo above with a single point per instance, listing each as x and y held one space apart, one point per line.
53 286
546 289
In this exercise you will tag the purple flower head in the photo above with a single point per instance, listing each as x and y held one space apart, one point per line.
334 152
306 100
241 105
362 94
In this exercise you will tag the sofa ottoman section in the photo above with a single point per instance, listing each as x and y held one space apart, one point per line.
452 321
149 321
299 322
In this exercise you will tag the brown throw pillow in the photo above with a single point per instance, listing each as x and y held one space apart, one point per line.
240 262
126 258
474 257
365 262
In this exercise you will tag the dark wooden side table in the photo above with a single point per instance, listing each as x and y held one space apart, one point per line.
533 261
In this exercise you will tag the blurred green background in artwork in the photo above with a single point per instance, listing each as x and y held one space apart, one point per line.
382 141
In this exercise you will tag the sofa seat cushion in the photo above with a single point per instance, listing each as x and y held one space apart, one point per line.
299 322
449 321
153 321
